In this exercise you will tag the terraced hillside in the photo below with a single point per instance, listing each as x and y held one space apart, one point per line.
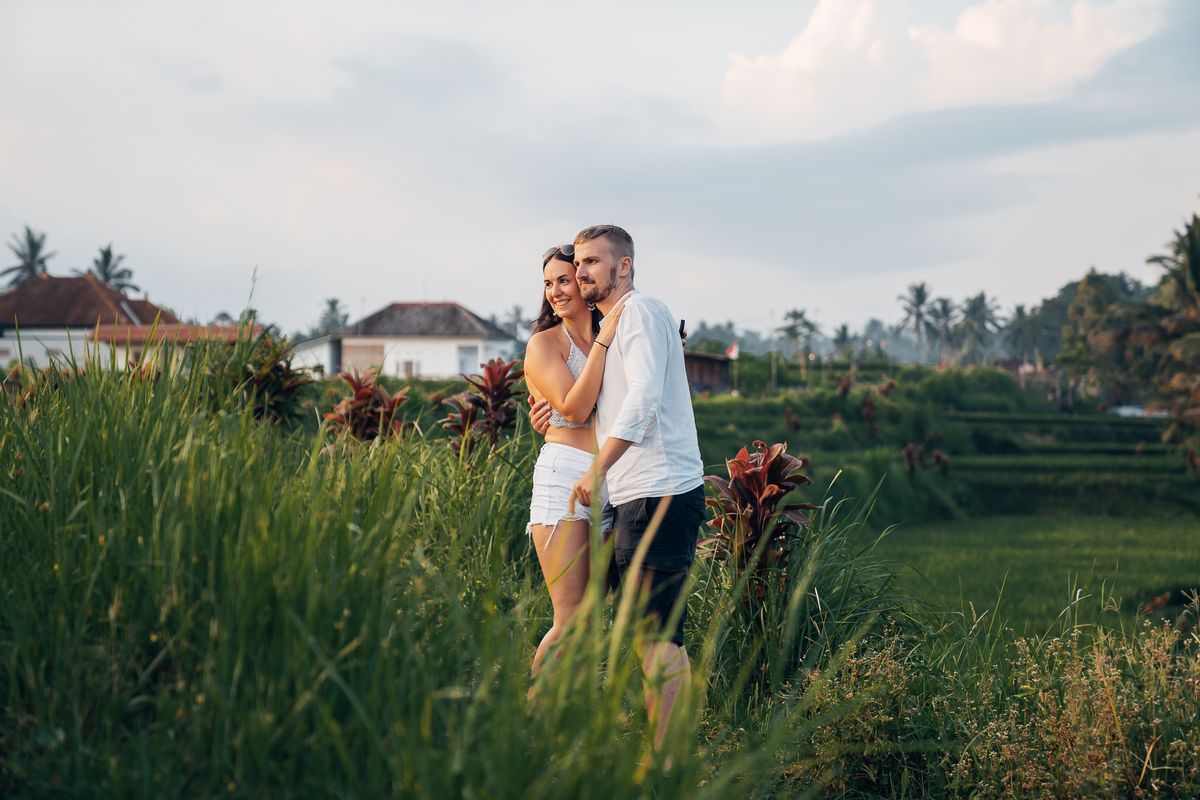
1019 456
1094 463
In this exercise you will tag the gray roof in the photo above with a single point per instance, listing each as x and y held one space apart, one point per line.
424 319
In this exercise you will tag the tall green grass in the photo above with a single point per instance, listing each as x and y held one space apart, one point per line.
198 603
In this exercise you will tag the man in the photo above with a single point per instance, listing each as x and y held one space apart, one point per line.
649 453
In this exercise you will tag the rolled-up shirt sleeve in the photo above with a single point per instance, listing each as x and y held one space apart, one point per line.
645 367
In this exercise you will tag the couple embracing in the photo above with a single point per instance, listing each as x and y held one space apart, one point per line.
605 365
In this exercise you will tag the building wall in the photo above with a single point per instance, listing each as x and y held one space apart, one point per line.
314 354
42 346
408 356
706 374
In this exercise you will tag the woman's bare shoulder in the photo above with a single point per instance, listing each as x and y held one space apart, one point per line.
544 342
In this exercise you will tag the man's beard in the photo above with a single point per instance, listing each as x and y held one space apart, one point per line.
593 293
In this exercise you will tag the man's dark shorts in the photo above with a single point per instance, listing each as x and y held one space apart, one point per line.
669 555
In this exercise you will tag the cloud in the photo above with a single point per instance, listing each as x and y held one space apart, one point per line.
858 62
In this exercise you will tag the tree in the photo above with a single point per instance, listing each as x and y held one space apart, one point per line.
108 270
1048 319
223 318
1021 334
979 323
843 341
1181 263
943 316
916 314
1177 341
798 327
30 250
516 323
333 318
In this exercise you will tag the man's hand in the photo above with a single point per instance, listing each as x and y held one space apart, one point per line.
539 415
582 491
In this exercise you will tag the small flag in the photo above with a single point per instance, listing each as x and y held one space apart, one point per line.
732 351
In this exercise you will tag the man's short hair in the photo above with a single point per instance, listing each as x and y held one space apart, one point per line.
619 238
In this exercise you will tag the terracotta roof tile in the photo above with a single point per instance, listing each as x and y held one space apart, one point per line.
169 332
76 302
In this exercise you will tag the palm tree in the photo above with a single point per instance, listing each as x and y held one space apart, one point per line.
333 318
30 251
1021 334
916 313
843 341
943 315
108 270
516 322
980 321
798 327
1182 264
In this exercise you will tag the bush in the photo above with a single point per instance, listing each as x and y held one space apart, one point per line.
1085 716
368 412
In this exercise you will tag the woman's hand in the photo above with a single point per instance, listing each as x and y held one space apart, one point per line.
609 331
539 415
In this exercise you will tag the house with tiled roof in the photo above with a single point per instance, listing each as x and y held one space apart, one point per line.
48 318
410 340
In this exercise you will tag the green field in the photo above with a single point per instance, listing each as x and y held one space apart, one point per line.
198 600
1027 569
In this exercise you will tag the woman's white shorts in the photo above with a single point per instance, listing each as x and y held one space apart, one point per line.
559 467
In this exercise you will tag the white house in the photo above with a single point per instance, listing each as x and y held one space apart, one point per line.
411 340
48 319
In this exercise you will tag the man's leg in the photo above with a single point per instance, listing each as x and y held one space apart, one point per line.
667 671
662 577
665 663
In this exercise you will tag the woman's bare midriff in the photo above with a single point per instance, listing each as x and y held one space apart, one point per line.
579 438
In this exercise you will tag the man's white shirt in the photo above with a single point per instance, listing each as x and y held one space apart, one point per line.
645 399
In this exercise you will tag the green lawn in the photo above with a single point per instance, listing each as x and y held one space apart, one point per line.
1042 560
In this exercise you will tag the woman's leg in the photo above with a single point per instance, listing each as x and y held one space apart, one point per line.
563 554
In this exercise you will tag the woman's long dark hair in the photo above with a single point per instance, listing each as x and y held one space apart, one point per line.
546 317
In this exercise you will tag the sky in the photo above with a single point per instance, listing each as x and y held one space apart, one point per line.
821 155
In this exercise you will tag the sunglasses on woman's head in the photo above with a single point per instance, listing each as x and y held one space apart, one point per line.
565 251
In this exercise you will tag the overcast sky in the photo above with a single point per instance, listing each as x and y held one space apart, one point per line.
766 156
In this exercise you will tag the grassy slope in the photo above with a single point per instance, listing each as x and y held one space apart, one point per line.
1041 560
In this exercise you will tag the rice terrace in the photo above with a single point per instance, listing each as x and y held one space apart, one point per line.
535 400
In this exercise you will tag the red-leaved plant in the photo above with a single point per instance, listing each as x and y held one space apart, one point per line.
487 411
368 412
750 505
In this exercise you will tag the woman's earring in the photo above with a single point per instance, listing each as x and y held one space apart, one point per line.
591 306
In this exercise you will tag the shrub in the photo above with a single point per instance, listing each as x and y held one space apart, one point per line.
484 413
254 372
1088 717
368 412
750 507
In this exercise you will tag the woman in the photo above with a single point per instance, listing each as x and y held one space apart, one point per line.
564 364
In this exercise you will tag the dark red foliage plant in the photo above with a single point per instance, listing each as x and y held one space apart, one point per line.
750 506
462 421
487 411
869 412
368 412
